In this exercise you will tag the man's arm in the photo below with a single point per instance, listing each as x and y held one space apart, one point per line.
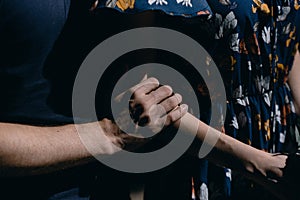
27 150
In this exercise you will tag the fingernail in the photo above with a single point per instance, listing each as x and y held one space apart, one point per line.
170 88
178 97
184 107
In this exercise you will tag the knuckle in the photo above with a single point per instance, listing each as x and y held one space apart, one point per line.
173 102
178 97
152 96
153 80
138 93
106 121
172 117
146 105
184 109
135 88
167 122
167 105
167 89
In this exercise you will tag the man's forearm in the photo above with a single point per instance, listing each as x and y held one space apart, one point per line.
26 150
29 150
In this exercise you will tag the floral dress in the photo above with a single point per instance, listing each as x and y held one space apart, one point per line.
254 42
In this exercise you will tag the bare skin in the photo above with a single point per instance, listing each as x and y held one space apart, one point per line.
41 150
253 163
27 150
294 82
227 151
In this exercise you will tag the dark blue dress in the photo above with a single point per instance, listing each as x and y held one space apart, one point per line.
254 45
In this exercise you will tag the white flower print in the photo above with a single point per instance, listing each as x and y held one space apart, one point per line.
185 2
219 19
255 27
230 22
226 25
287 29
225 2
242 102
235 123
262 84
293 109
203 192
284 13
249 66
234 42
277 114
158 2
267 99
266 35
282 137
111 3
228 174
266 83
238 92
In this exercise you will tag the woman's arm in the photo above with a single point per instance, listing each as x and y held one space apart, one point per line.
228 152
294 82
232 153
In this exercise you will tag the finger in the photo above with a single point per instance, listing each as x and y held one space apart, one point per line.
176 114
94 6
160 94
171 103
145 101
145 86
144 78
278 172
157 111
263 172
120 96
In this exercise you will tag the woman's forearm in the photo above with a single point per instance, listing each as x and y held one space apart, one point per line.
229 152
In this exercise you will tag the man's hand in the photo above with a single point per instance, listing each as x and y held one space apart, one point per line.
27 150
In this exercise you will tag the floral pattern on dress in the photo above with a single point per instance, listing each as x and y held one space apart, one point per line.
254 45
260 73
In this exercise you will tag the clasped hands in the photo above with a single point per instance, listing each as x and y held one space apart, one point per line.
151 105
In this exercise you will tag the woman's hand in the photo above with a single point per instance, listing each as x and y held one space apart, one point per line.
266 164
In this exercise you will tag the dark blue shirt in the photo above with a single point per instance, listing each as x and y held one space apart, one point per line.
28 31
